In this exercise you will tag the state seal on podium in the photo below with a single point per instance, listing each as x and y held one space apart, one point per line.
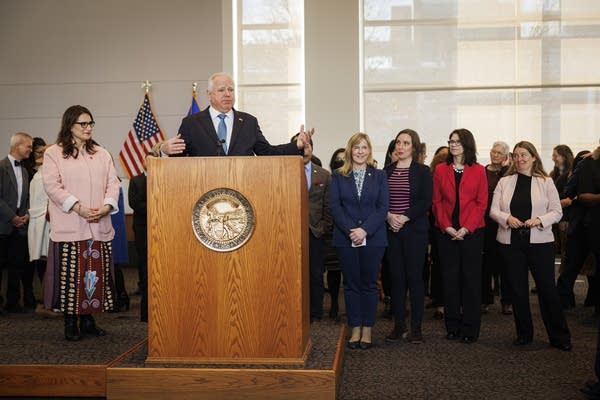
223 219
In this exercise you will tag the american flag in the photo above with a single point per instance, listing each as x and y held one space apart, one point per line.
140 139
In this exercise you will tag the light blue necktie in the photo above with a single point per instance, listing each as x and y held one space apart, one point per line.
222 132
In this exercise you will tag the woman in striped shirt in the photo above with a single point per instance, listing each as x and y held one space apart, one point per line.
410 187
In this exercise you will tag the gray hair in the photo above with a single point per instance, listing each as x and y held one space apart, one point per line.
504 145
212 78
17 138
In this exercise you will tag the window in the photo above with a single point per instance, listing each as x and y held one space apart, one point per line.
270 64
505 69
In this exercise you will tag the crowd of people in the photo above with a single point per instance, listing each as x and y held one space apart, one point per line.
457 231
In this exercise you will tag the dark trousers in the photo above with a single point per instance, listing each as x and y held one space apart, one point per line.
522 256
13 256
406 253
386 278
578 249
141 247
316 258
360 266
436 287
30 268
492 266
597 361
461 275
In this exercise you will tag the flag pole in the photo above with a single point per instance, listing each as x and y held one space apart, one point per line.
146 86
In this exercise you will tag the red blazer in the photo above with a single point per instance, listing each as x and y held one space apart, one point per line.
473 196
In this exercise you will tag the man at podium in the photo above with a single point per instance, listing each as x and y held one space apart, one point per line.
220 130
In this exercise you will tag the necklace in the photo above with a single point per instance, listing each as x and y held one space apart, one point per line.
458 170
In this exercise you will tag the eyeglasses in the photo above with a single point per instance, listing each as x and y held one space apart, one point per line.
84 125
454 143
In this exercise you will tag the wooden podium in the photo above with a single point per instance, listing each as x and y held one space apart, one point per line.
245 306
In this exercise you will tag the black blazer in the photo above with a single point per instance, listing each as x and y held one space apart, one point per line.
137 200
9 197
198 132
421 189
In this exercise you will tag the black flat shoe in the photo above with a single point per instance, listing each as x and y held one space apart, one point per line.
521 341
452 336
353 345
562 346
468 339
365 345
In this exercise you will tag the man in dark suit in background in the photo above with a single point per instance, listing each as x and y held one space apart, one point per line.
220 130
14 217
319 220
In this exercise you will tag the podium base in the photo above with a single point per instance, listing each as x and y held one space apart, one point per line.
318 379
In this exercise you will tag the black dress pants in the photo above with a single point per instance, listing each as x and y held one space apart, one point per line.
316 258
13 256
578 249
520 256
461 275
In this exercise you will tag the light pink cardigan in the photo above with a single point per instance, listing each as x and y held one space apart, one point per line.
90 179
545 205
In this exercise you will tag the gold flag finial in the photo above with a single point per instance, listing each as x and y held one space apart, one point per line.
194 87
146 86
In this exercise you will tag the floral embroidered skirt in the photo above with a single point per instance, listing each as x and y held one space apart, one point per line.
85 277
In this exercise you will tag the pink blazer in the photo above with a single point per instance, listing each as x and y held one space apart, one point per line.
545 205
90 179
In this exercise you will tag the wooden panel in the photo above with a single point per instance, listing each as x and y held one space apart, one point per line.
248 384
53 380
248 305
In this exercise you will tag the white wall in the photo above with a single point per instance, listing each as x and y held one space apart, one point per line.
54 54
332 73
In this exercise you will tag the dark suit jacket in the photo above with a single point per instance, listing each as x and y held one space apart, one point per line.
137 201
369 212
198 132
421 187
9 197
319 215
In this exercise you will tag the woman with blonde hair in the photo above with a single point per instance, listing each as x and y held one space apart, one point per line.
525 205
359 203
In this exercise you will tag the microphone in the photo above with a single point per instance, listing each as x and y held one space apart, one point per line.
220 144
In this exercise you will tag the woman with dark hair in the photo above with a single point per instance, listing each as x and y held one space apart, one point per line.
436 291
563 159
525 205
35 159
410 186
83 188
332 264
359 204
390 155
459 205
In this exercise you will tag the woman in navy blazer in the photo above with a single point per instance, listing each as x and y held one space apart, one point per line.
359 204
410 188
460 196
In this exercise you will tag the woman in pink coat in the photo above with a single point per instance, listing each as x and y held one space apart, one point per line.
83 188
525 205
